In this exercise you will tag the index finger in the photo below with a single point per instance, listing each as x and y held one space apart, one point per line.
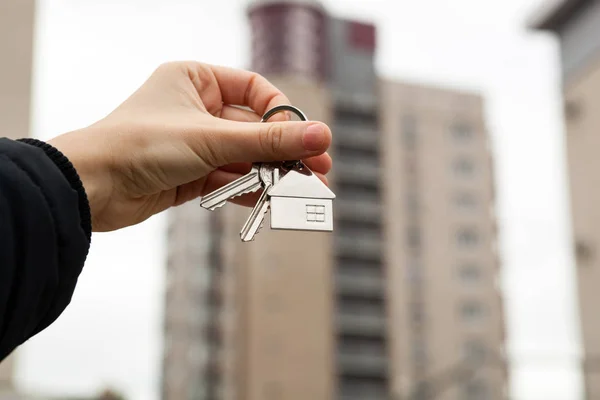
247 88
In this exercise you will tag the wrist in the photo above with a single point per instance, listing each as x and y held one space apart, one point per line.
85 158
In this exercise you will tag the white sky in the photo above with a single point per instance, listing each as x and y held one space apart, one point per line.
91 55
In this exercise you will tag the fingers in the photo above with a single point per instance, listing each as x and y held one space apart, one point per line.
247 89
320 164
221 178
233 142
234 113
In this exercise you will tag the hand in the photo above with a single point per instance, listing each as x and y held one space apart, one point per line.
180 136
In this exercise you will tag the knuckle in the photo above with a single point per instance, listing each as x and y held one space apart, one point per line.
270 138
170 67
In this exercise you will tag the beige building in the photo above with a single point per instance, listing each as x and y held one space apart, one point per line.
16 50
576 23
401 300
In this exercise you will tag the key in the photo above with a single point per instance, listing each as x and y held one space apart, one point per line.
248 183
257 216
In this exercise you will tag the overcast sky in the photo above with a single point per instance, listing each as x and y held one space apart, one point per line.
91 55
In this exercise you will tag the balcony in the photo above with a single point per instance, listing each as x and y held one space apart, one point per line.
365 324
357 284
362 364
356 208
358 246
358 138
355 169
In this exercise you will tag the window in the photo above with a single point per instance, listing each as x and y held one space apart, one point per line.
362 225
413 237
464 167
475 390
357 190
416 313
197 353
363 387
469 273
409 131
355 117
315 213
573 110
471 311
361 345
461 132
413 271
467 237
351 305
412 202
351 154
465 201
419 354
583 252
474 351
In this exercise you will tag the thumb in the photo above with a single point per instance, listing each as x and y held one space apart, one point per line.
233 141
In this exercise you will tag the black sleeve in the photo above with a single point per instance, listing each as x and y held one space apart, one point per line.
45 231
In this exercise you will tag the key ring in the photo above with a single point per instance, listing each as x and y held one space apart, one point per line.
286 107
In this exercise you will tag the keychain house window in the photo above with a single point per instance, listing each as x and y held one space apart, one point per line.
315 213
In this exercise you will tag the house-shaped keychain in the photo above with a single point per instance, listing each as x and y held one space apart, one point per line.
300 201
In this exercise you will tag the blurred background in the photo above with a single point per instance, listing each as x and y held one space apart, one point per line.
462 264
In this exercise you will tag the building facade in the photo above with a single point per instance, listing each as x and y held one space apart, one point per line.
17 19
400 301
577 27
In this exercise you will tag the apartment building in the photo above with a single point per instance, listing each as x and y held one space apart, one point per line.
400 301
576 24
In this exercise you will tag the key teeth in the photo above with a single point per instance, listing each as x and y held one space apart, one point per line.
262 223
213 208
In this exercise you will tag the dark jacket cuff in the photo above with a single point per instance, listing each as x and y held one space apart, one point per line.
68 170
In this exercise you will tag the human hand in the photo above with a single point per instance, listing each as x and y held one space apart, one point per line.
180 136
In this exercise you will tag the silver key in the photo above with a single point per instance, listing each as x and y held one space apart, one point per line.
257 216
248 183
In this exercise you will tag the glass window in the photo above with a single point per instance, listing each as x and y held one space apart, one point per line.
412 202
471 311
354 305
413 234
413 271
462 132
357 190
409 131
417 313
467 237
474 351
197 353
353 344
419 354
476 390
464 167
469 273
363 387
465 201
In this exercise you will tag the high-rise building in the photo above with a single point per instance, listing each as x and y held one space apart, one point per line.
401 300
576 23
16 50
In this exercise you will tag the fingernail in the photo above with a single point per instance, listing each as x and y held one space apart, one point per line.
314 136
